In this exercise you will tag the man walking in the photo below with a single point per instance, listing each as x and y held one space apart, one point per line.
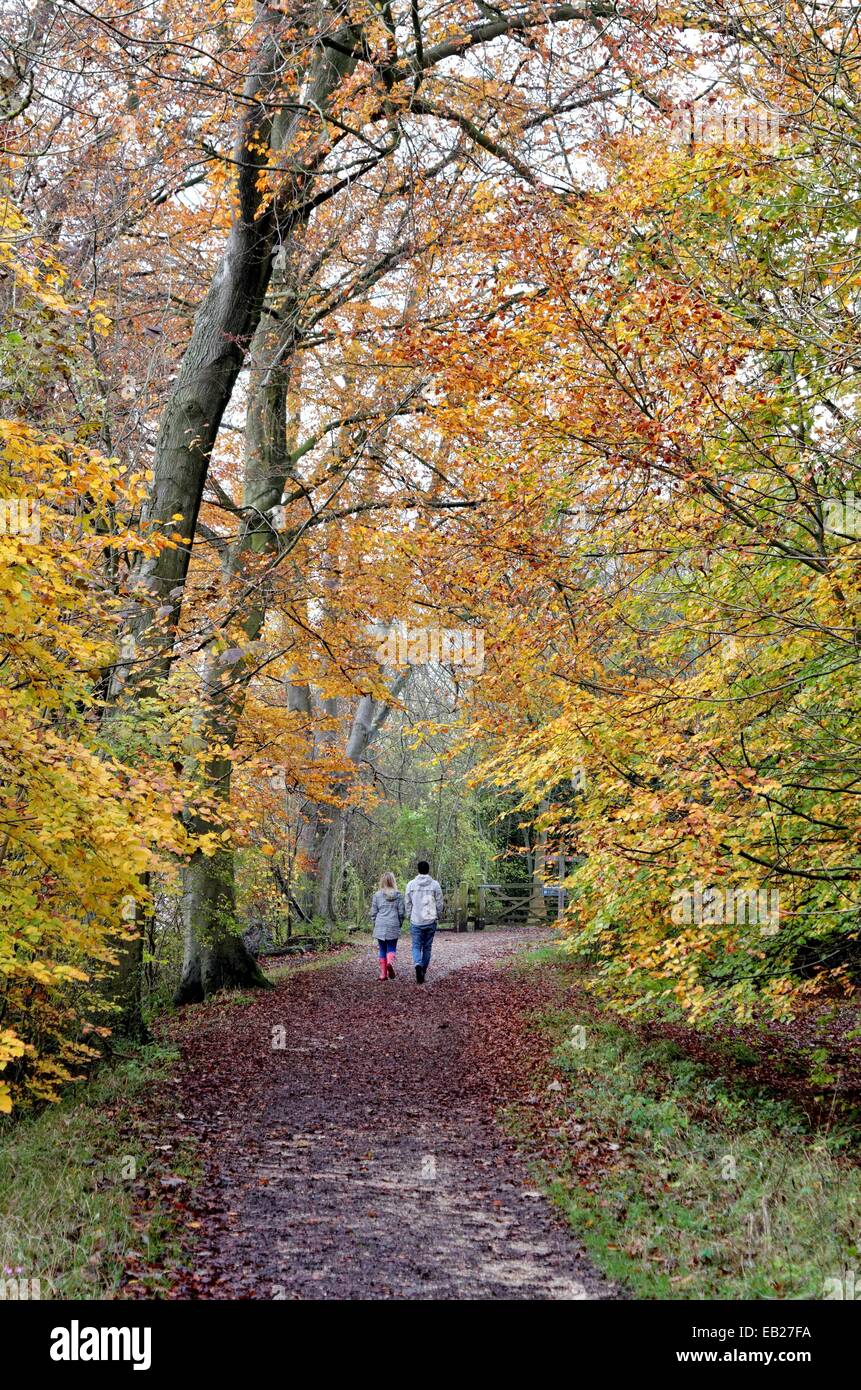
423 902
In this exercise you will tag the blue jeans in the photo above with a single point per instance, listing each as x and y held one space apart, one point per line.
387 947
422 943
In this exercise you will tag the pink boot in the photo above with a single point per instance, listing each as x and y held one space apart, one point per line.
390 968
383 972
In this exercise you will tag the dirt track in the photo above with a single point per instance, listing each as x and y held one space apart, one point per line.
362 1159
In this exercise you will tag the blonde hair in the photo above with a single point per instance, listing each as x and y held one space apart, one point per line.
388 880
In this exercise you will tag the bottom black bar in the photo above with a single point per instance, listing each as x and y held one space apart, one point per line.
87 1340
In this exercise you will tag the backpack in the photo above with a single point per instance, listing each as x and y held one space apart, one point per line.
424 905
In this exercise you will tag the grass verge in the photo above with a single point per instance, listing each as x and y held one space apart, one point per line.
681 1184
71 1180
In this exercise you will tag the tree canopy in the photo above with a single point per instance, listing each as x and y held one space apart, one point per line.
425 429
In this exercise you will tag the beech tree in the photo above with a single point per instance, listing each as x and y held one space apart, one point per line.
283 148
378 301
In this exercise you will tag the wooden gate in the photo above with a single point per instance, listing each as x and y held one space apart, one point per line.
489 905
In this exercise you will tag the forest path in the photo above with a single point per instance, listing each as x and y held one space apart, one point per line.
362 1159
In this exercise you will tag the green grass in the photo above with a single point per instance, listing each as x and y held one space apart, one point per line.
301 966
66 1191
682 1185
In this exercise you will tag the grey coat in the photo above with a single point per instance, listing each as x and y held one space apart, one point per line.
387 913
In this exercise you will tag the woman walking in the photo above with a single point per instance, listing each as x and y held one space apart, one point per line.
387 915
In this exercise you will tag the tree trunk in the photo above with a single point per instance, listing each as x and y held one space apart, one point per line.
324 896
368 719
299 701
537 904
215 956
223 329
227 319
126 982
